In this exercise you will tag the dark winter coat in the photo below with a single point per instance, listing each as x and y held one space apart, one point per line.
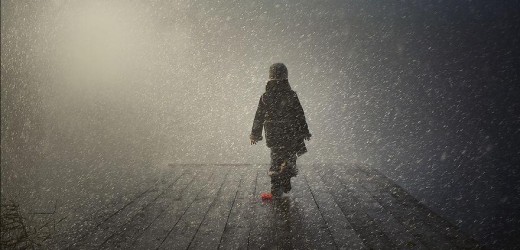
281 113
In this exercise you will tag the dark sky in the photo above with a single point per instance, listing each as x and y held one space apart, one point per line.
426 91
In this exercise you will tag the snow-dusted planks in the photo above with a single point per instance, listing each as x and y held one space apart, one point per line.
338 223
219 207
238 225
261 235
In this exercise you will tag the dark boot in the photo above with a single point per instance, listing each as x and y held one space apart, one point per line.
277 192
276 186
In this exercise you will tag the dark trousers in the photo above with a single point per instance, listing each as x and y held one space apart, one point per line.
279 155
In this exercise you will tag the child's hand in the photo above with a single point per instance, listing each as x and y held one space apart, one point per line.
253 141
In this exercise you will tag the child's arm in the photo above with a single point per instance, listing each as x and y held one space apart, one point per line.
258 123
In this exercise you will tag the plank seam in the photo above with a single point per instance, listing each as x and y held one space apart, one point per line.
163 211
231 209
147 205
113 214
321 214
180 217
209 208
250 222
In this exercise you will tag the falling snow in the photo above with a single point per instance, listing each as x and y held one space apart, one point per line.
100 96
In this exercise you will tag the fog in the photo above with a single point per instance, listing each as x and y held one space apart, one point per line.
425 91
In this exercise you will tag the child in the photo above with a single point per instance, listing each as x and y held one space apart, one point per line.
281 113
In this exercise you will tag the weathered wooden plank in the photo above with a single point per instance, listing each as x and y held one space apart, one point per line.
127 234
295 223
317 234
87 216
212 227
183 232
261 235
336 206
236 231
402 213
344 234
154 235
388 224
367 229
433 229
285 224
287 221
112 224
87 219
77 209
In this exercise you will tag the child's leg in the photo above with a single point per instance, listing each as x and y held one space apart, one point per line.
290 171
281 180
276 186
286 183
276 161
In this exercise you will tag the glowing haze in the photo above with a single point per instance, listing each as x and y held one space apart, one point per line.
415 89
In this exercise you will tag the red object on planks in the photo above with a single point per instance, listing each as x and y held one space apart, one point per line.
267 196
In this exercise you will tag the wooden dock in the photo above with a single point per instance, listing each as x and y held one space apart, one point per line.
219 206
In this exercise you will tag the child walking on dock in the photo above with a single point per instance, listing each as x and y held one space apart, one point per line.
281 113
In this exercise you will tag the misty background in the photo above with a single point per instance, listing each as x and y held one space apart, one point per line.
97 94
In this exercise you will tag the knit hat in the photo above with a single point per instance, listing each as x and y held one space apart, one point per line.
278 71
